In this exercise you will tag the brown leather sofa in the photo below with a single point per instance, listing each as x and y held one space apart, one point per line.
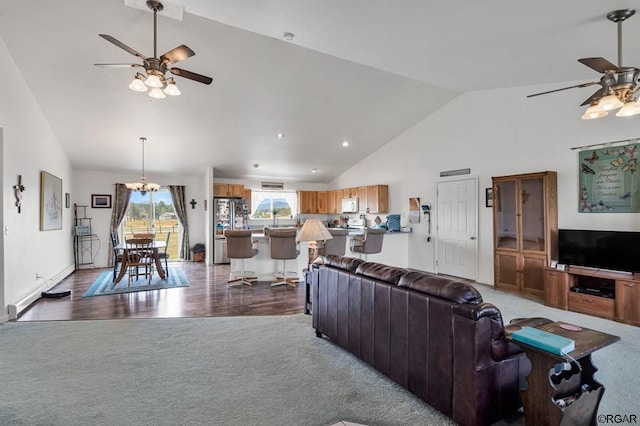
431 334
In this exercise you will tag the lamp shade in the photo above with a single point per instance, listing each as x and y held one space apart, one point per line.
313 230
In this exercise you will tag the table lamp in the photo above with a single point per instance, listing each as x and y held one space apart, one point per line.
313 231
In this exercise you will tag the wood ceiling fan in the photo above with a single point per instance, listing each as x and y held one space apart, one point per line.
157 67
618 83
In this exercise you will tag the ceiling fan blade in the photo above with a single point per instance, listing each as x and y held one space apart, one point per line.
599 64
599 94
118 65
191 75
178 54
591 83
123 46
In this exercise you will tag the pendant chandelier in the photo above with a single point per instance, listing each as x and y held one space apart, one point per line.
143 187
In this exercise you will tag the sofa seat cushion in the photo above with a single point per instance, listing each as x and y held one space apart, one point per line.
446 288
342 262
380 272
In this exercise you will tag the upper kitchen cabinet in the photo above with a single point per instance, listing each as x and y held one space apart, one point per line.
228 190
332 201
362 199
247 198
377 199
322 202
349 192
525 228
307 202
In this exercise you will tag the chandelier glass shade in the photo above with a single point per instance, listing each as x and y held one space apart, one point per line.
143 186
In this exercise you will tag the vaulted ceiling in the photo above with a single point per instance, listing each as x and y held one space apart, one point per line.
363 71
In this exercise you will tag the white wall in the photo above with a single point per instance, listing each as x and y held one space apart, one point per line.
494 133
29 146
98 182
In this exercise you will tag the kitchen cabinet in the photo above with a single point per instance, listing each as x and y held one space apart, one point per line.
525 229
228 190
349 192
307 202
362 199
247 198
322 202
377 199
331 202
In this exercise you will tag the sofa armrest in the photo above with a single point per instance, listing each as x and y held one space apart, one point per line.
501 348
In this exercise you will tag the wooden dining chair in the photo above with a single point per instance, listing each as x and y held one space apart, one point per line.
117 254
145 235
164 255
140 258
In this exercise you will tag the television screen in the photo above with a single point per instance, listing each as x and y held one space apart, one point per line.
611 250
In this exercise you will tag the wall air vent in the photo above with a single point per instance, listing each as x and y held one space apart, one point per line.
457 172
272 185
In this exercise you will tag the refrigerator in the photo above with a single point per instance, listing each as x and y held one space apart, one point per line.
230 213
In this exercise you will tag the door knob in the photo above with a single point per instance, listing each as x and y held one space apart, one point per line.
473 238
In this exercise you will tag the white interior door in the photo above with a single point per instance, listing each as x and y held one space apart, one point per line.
457 245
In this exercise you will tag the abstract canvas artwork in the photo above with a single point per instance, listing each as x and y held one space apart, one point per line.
51 200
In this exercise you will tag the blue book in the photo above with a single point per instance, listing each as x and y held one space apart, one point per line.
544 340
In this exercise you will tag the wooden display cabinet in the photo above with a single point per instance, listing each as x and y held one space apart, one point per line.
525 217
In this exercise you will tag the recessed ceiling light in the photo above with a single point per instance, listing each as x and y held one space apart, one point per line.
256 165
288 36
280 135
314 170
345 143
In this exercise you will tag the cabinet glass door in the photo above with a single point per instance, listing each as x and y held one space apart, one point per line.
532 201
505 206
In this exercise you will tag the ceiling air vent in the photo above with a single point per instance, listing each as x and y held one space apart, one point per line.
272 185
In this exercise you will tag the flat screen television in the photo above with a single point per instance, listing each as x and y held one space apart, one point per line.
611 250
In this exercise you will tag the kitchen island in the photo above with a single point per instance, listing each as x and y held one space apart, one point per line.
395 252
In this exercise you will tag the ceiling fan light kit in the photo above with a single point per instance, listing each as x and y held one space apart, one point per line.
157 67
618 83
143 186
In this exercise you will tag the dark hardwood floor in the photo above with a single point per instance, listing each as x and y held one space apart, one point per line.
207 296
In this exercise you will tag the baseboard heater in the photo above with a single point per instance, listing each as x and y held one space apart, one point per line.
14 309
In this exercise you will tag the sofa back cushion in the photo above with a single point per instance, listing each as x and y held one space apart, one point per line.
349 264
380 272
445 288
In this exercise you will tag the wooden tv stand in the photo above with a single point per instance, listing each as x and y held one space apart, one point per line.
623 306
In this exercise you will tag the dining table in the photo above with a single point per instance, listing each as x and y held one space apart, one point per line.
156 246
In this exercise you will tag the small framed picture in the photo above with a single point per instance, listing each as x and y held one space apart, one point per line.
101 201
67 200
553 264
488 195
562 267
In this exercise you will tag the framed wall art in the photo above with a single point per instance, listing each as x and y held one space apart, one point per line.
101 201
488 197
609 181
50 202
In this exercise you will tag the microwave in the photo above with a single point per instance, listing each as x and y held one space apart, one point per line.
349 205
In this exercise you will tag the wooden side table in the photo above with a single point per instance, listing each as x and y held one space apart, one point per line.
567 396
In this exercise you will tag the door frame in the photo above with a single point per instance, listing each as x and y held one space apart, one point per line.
475 179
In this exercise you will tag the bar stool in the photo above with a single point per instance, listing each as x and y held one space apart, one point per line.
338 244
369 243
240 246
284 247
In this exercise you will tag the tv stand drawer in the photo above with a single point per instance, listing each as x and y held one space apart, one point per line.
592 305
